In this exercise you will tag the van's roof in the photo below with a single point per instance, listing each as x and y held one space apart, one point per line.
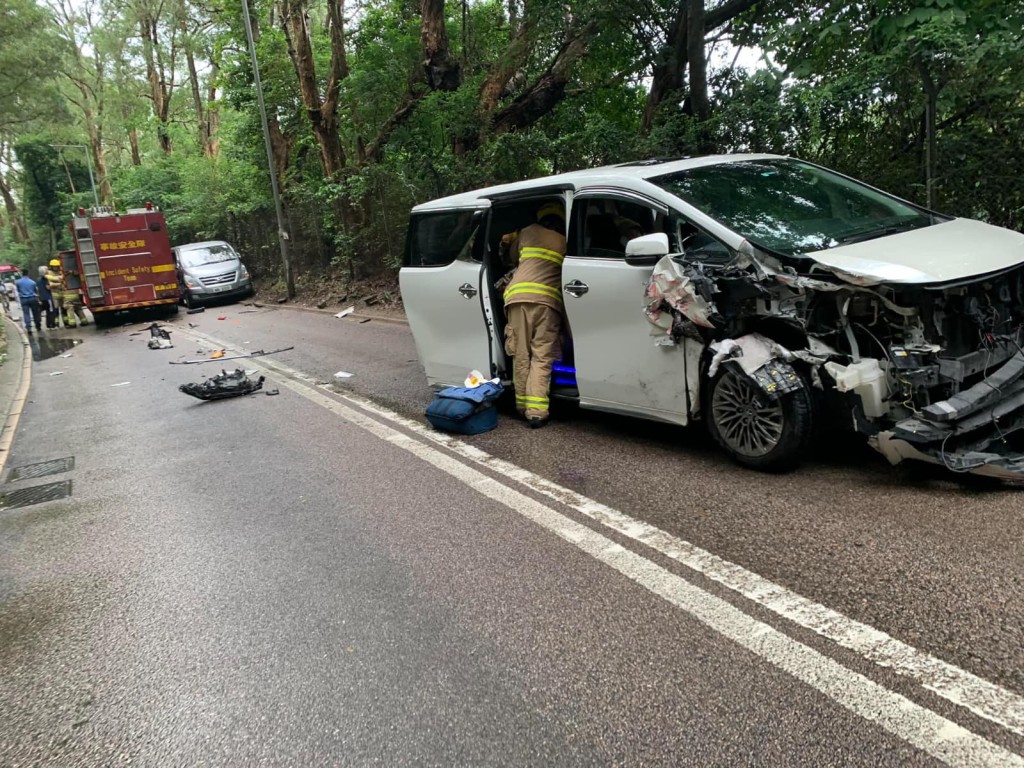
204 244
628 175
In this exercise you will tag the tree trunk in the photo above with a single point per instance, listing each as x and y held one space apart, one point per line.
160 88
322 113
696 56
18 228
669 70
541 96
931 93
133 140
212 110
99 162
441 69
197 97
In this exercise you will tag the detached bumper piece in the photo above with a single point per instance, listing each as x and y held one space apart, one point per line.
979 430
223 385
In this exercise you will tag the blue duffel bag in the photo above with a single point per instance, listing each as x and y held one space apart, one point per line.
465 410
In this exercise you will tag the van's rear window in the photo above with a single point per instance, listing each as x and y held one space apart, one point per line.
436 239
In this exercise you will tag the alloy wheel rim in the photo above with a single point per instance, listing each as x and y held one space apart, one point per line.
747 424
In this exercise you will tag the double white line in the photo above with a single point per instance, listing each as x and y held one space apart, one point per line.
919 726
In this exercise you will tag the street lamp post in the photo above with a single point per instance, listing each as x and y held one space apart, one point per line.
282 233
88 162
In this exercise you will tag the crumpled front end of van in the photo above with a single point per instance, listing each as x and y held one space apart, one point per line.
926 371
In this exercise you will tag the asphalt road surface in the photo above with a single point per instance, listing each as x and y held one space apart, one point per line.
315 578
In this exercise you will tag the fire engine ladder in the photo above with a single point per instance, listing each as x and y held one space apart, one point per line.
87 257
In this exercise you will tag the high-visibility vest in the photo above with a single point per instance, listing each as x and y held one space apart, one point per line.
538 277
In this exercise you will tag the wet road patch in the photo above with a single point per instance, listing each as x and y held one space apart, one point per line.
44 348
42 468
36 494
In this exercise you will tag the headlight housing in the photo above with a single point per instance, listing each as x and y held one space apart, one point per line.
243 272
192 282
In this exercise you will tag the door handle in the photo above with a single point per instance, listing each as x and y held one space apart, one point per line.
576 288
467 291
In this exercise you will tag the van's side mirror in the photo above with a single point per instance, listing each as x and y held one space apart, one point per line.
647 249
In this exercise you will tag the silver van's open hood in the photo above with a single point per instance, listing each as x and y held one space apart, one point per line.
952 250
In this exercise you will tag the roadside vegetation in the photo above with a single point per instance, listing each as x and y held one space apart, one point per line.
377 105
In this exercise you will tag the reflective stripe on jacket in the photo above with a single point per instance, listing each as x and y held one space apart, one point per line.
538 277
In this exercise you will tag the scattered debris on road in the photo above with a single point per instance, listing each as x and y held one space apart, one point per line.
223 385
346 312
343 375
196 310
364 320
121 384
57 373
257 353
271 392
223 317
159 338
217 355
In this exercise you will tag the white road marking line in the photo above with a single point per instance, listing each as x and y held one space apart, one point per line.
924 729
983 698
952 683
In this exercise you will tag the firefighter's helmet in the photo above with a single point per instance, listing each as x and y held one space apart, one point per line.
55 263
552 208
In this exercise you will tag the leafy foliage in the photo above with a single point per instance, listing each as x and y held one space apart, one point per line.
923 97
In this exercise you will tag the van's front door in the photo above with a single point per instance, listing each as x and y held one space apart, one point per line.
618 366
445 295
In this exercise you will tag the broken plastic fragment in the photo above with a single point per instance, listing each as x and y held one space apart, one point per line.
343 375
346 312
223 317
223 385
217 355
57 373
121 384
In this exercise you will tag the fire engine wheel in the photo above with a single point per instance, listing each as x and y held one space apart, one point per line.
757 432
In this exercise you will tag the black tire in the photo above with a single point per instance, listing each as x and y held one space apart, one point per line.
187 300
772 436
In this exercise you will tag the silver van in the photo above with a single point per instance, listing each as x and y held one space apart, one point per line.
210 270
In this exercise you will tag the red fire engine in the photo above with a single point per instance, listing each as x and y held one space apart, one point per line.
121 260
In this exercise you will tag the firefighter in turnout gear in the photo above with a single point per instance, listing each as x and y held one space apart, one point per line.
56 285
68 300
533 306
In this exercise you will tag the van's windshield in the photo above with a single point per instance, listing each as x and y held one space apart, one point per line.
207 254
793 207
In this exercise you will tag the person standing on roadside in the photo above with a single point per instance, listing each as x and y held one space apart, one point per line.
28 295
7 292
46 298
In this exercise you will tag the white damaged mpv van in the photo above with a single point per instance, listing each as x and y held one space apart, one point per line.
764 295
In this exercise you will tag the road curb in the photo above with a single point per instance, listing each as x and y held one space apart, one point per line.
17 403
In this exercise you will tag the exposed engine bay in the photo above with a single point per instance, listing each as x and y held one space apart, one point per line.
930 372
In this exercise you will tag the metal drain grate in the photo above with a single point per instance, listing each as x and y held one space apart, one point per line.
42 468
37 494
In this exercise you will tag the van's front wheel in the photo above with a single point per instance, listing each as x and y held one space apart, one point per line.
754 430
